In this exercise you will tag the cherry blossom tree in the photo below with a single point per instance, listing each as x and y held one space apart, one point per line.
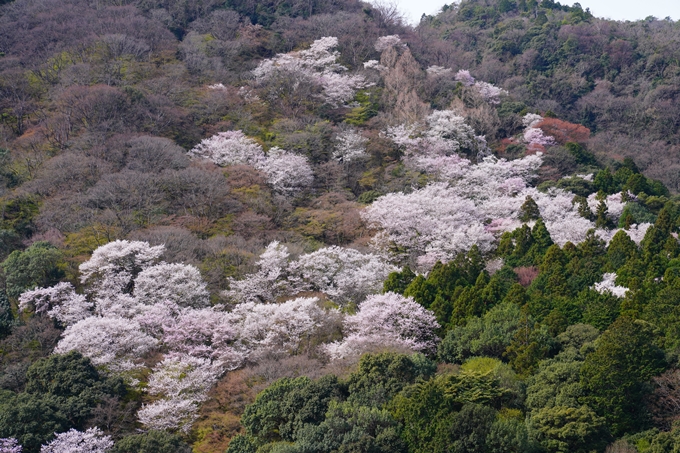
113 267
386 321
90 441
535 136
208 333
169 415
385 42
438 71
268 282
281 328
489 92
60 302
608 285
183 383
316 66
183 377
113 343
349 146
286 172
531 119
463 76
229 148
341 273
179 283
10 445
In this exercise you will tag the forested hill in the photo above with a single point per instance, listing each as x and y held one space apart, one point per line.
307 227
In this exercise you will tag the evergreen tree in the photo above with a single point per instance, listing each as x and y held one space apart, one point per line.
397 282
604 181
583 208
620 249
602 219
529 210
6 316
614 376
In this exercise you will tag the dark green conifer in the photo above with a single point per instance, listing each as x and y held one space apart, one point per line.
583 208
529 210
602 219
6 316
620 249
397 282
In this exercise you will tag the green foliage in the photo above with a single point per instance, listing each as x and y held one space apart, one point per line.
6 316
37 266
18 214
32 419
582 156
529 210
397 282
381 376
489 335
283 408
158 442
367 108
61 391
352 428
614 376
561 429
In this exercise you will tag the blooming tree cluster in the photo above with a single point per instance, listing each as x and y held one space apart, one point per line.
286 172
608 285
384 321
112 342
183 382
432 145
463 76
473 204
349 146
59 302
90 441
438 71
385 42
229 148
489 92
10 445
135 305
341 273
533 136
317 66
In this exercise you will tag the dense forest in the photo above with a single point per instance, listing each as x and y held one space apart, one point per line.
293 226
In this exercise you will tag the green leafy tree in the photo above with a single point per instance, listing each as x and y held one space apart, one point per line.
61 391
352 428
32 419
489 335
604 181
614 376
602 219
561 429
38 265
284 407
156 442
381 376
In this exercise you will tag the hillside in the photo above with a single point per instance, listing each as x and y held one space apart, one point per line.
307 227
